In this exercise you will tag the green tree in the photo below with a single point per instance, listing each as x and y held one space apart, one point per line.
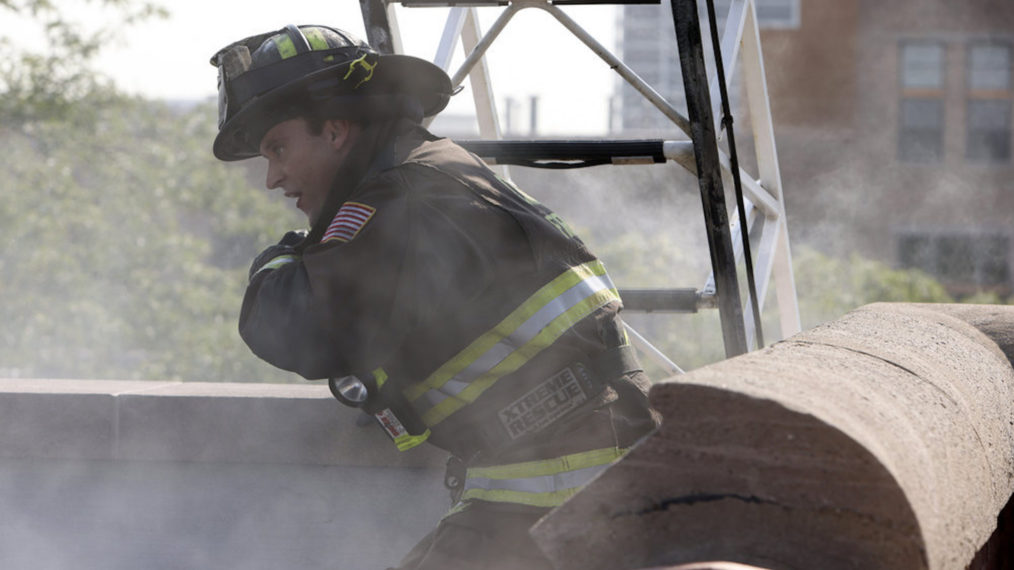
827 288
51 81
112 258
124 243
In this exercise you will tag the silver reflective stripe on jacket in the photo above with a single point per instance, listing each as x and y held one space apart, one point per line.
532 327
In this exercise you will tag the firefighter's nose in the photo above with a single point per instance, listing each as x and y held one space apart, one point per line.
274 176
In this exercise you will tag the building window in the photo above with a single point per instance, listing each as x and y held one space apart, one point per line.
922 65
989 67
921 112
989 102
989 130
921 136
770 13
965 262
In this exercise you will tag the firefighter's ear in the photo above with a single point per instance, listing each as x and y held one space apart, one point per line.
337 132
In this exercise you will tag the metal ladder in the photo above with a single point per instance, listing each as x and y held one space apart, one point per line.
763 203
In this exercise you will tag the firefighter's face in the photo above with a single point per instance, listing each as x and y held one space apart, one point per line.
304 164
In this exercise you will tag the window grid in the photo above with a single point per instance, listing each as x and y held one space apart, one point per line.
921 75
988 103
771 14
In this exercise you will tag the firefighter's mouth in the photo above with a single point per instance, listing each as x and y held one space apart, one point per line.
298 196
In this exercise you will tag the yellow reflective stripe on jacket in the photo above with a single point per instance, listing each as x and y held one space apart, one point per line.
463 393
407 441
532 327
546 483
276 262
509 325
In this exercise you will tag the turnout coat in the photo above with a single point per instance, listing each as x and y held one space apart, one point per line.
479 321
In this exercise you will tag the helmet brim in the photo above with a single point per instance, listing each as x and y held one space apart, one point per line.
395 74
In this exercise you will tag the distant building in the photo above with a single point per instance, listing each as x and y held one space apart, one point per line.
648 45
455 125
893 122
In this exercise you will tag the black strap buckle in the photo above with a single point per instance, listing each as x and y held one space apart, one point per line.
454 477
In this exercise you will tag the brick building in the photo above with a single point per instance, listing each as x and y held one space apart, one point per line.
893 123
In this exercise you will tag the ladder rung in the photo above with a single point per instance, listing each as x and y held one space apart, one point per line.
668 300
568 153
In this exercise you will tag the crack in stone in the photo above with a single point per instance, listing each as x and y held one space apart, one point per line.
692 500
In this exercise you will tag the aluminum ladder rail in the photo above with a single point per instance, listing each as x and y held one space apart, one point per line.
763 195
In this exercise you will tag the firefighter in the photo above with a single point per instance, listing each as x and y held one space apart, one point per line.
436 296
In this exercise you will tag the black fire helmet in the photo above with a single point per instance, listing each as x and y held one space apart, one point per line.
272 77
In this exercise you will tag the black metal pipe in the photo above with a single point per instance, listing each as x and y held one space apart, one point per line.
570 153
744 230
661 300
378 28
709 174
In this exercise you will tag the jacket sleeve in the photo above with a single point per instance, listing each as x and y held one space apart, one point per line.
346 306
278 322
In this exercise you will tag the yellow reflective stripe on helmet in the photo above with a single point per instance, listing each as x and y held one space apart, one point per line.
315 37
285 47
546 483
531 328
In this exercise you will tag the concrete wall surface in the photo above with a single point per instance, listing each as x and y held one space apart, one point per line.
882 440
128 475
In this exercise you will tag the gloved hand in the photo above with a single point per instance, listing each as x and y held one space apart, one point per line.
279 254
293 238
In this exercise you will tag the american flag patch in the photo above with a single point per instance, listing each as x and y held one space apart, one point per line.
351 218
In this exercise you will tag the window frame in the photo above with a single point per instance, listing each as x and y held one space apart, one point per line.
910 93
976 139
793 22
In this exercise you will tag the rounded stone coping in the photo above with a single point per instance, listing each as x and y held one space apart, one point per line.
884 439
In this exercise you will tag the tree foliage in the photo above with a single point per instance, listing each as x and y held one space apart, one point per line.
49 80
125 247
827 288
125 244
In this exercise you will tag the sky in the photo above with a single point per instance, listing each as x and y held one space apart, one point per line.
534 55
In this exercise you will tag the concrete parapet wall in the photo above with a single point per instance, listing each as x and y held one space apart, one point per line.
126 475
884 439
204 422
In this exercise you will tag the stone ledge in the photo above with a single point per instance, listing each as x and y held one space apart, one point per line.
203 422
884 439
